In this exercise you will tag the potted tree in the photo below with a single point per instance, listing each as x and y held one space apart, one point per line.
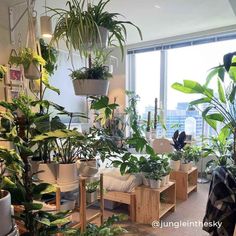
91 191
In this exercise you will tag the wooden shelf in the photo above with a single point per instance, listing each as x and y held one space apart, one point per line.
150 207
186 182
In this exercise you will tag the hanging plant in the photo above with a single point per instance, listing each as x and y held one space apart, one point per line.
81 27
30 60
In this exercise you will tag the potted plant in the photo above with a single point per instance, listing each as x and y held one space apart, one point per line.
145 169
155 179
91 191
18 126
9 162
30 61
186 159
178 144
84 29
92 80
166 169
219 107
3 71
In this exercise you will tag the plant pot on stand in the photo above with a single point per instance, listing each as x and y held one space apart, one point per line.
6 223
67 173
87 168
155 183
47 172
185 167
146 181
175 165
32 72
91 197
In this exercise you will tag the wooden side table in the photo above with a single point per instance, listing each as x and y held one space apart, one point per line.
152 204
186 182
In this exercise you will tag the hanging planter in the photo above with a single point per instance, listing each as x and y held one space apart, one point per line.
32 73
30 61
91 81
91 87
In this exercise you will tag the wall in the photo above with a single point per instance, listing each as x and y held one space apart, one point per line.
117 83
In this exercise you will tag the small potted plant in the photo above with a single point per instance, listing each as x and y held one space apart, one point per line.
166 168
30 61
178 144
155 179
3 71
91 191
145 169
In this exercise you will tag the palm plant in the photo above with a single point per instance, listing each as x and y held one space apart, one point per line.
220 107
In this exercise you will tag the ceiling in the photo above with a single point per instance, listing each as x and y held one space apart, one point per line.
164 18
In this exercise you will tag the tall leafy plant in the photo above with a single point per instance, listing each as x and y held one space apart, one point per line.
220 106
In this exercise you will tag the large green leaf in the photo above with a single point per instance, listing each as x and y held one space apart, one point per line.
221 92
194 85
200 101
216 117
182 88
224 134
214 71
32 206
232 93
44 188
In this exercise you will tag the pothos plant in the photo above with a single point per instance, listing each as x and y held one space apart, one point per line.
220 105
18 126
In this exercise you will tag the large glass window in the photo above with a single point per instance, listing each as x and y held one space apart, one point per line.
147 80
193 63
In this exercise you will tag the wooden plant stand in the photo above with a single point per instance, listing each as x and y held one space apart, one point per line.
186 182
152 204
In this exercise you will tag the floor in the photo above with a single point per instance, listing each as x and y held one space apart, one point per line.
188 211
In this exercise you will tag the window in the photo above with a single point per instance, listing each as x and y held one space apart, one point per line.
147 80
190 62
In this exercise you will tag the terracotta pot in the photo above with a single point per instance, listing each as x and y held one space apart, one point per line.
175 165
32 72
67 173
6 223
49 172
91 197
91 87
185 167
155 183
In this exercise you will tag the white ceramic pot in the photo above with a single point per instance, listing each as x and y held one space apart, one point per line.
91 86
167 179
175 165
190 165
102 40
49 172
148 135
146 181
163 181
155 183
87 168
185 167
6 223
91 197
34 166
67 173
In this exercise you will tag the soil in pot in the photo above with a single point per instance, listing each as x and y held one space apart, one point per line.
6 223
